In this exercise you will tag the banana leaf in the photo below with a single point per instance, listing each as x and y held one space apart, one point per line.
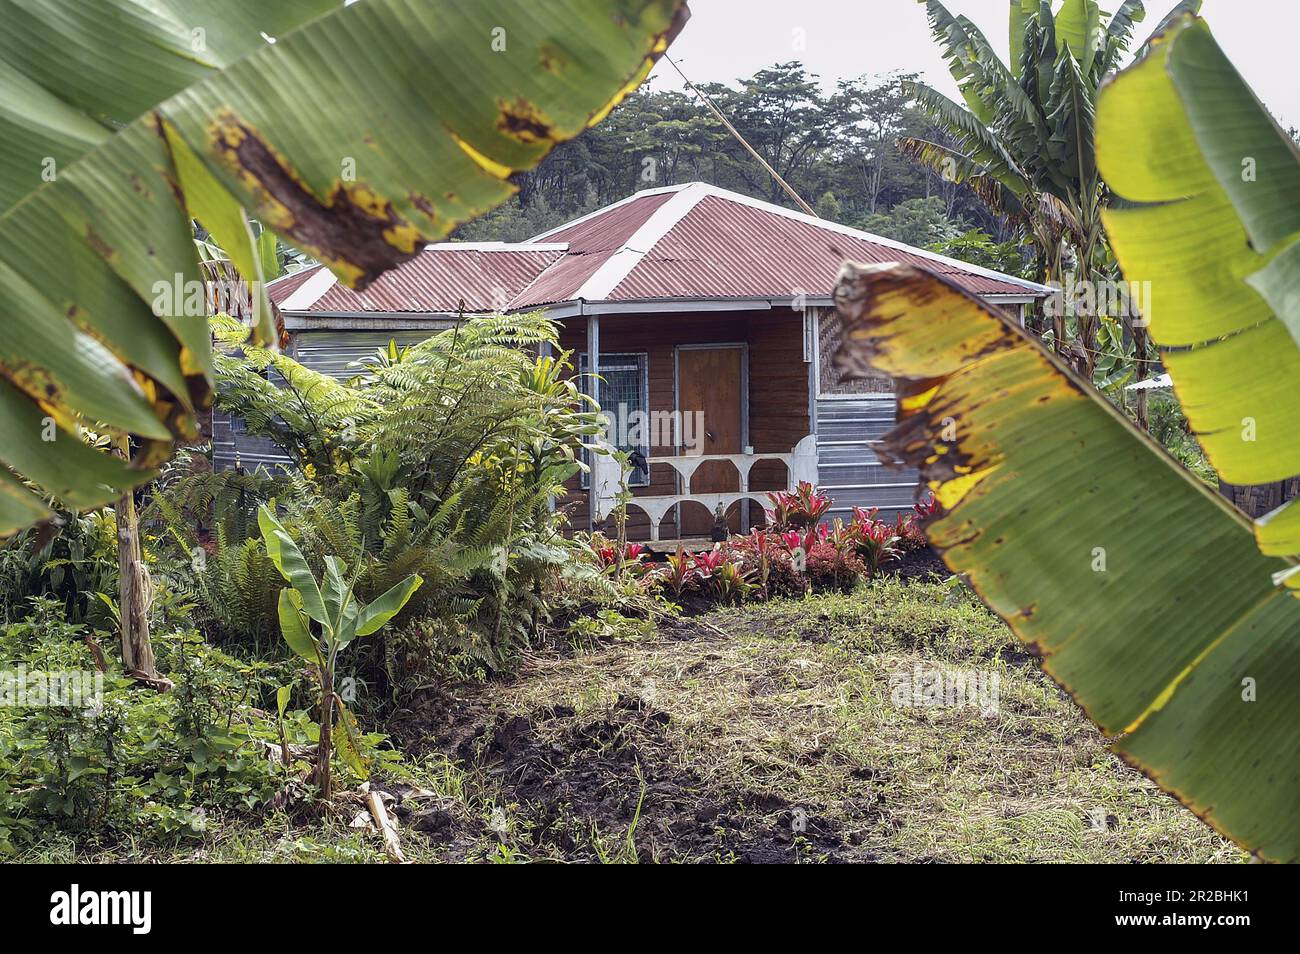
356 133
1212 221
1141 590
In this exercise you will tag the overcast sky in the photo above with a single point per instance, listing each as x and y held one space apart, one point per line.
728 39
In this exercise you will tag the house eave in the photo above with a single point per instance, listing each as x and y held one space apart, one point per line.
413 321
371 320
573 308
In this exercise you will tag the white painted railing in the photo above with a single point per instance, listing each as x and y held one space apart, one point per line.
606 479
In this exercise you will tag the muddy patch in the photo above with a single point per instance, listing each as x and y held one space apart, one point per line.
609 784
613 773
443 821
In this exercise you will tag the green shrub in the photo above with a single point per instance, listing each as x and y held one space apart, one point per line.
1168 425
69 561
435 460
133 762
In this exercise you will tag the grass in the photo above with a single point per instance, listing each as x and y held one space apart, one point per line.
795 704
766 732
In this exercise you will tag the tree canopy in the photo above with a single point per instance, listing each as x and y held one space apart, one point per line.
835 145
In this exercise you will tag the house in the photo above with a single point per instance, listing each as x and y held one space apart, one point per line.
709 317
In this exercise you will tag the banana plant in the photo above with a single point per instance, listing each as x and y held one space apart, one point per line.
340 618
1022 138
1167 616
356 133
1140 589
1211 220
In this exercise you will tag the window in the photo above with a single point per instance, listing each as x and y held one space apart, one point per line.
625 399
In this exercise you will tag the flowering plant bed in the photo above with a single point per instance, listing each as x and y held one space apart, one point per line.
798 553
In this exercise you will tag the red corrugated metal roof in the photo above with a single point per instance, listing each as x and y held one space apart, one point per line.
439 279
282 288
727 249
591 242
693 241
609 228
561 281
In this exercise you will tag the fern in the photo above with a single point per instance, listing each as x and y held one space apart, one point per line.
435 459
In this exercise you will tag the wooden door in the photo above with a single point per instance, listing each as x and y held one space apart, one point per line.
709 380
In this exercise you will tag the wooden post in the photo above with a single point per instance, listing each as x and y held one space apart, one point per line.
593 388
1141 371
812 330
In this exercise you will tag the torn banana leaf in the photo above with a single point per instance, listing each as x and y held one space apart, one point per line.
1142 591
358 133
1212 222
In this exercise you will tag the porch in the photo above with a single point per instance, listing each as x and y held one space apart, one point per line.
729 399
609 476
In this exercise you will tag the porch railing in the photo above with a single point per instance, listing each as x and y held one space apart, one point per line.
607 478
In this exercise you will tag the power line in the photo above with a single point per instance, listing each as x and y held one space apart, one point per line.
712 107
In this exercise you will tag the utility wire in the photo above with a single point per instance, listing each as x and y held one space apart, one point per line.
712 107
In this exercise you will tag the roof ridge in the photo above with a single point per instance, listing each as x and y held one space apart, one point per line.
656 190
526 246
296 271
634 249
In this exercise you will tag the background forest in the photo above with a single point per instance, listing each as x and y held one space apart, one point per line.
837 149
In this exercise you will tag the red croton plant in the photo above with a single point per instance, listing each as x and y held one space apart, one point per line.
802 507
798 551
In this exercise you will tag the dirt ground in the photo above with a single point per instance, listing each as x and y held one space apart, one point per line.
770 734
923 564
581 779
773 732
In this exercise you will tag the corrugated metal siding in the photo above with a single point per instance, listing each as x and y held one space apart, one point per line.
329 352
230 443
336 352
847 469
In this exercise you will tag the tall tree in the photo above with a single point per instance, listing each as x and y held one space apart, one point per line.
781 113
872 114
